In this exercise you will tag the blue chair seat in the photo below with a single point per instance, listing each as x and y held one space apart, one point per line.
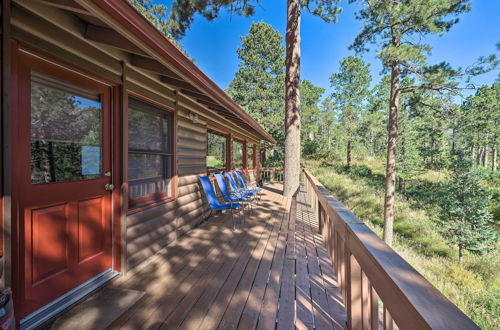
213 201
236 197
243 185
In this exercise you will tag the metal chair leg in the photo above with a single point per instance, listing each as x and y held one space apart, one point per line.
232 218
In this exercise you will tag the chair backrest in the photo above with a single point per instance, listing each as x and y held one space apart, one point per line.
209 191
240 179
223 187
232 183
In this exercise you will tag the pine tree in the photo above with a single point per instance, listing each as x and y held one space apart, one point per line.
258 85
310 98
484 119
399 27
181 17
466 221
351 88
374 122
157 15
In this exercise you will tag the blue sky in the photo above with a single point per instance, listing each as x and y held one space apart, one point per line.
213 44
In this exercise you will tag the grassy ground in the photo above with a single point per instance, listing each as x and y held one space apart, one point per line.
474 287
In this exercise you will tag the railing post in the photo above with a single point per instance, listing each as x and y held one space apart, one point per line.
272 175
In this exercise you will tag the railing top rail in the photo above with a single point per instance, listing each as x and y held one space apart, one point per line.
413 302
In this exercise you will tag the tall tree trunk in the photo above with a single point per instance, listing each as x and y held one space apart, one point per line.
292 99
460 254
392 132
433 153
453 140
479 155
494 158
348 152
485 156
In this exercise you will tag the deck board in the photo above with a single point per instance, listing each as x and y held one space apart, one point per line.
272 272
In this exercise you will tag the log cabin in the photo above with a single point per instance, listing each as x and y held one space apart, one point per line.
105 130
106 126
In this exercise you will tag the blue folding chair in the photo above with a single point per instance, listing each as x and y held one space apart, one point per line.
213 201
228 196
253 190
241 192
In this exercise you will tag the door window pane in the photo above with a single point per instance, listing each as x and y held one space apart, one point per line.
66 132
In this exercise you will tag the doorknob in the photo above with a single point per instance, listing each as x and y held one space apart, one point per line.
109 186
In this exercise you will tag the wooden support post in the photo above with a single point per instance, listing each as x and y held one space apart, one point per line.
6 154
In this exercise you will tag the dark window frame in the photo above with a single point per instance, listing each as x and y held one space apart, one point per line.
168 151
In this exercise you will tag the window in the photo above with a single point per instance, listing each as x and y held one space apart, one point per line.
66 132
250 159
237 154
216 151
150 160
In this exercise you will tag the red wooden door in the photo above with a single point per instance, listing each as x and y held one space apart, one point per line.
62 159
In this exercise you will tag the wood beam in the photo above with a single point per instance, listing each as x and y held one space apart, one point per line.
210 103
177 83
198 95
111 38
66 5
152 65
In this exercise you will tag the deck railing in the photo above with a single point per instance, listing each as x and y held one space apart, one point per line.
380 289
272 174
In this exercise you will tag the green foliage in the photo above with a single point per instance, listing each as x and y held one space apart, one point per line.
156 14
466 221
258 85
351 89
184 11
310 116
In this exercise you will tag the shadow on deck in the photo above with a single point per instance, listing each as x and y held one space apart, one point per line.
272 272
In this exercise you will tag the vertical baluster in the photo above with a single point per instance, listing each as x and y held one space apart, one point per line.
374 308
320 219
354 291
341 269
387 320
331 242
344 266
365 300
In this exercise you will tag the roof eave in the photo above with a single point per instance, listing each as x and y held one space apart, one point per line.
128 16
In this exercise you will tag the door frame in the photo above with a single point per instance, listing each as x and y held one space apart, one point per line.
115 128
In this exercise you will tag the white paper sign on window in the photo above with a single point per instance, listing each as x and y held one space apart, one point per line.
91 160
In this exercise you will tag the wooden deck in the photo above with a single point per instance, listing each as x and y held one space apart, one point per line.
272 272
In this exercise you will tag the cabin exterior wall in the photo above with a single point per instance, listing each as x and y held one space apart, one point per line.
59 38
